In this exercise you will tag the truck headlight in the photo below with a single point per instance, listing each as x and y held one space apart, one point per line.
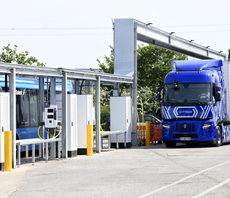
166 126
206 126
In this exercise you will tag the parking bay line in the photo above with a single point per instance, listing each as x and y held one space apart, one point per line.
213 188
181 180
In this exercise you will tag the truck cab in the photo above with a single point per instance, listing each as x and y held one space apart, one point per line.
193 103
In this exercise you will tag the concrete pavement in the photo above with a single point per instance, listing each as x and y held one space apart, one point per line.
153 171
10 180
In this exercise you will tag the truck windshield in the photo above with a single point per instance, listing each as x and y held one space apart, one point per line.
198 93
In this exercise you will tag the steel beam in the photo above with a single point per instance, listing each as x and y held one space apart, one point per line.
34 71
160 38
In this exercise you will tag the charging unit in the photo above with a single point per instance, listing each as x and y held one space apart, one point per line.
50 116
84 117
120 119
72 125
4 123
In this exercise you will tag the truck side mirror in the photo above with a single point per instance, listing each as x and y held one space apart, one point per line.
217 97
217 88
158 97
226 122
159 89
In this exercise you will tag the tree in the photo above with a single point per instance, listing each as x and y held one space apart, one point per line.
108 66
229 54
9 55
153 63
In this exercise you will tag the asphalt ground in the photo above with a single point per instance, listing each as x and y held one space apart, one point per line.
154 171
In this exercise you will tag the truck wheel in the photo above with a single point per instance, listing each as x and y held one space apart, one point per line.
218 141
170 144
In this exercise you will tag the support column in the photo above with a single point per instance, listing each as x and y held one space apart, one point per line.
87 86
41 110
98 119
53 102
77 86
52 91
12 89
64 115
134 93
116 89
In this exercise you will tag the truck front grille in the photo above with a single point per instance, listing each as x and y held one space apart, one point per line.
185 127
185 135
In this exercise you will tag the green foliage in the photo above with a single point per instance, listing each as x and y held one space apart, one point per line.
146 101
229 54
153 63
108 66
9 55
105 94
105 110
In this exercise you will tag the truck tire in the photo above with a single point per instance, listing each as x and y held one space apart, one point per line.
170 144
218 141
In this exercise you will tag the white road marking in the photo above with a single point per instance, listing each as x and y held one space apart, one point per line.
213 188
181 180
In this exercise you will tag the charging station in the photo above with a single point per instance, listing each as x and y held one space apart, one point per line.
50 116
4 123
84 117
72 125
120 119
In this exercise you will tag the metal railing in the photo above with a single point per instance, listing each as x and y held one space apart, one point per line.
33 142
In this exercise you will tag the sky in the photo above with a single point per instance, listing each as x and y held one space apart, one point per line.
74 34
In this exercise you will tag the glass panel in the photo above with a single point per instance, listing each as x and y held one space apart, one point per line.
24 110
33 111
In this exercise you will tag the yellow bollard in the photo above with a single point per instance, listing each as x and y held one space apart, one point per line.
8 151
89 139
147 139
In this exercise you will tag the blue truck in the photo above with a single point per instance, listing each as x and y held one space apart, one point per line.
194 104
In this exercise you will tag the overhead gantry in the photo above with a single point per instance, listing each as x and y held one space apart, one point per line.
126 34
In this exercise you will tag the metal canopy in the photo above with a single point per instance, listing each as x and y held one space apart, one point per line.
160 38
26 70
64 74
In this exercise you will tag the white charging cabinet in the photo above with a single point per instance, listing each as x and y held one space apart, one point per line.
120 119
72 125
4 123
84 117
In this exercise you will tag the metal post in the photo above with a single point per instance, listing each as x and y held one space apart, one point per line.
8 150
13 114
76 86
41 110
52 91
33 153
134 94
64 115
87 87
98 120
52 102
116 89
147 133
89 139
19 153
47 152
